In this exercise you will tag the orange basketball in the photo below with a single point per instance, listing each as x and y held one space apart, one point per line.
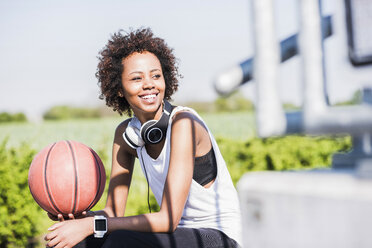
66 177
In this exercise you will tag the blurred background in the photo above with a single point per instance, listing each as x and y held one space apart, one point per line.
48 89
49 48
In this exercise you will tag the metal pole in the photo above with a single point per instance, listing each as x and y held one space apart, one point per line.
311 51
269 111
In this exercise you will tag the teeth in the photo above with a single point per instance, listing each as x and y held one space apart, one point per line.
149 96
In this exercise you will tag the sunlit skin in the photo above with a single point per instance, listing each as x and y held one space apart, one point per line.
143 87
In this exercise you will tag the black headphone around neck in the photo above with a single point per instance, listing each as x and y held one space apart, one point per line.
151 132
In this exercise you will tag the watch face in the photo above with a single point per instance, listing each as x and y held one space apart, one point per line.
100 225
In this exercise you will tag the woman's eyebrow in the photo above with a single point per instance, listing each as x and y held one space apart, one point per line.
135 72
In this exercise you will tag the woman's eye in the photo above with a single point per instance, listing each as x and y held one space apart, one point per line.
136 79
157 76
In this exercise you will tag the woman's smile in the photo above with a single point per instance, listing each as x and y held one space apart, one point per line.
149 98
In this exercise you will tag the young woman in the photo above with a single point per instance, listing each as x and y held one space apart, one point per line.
180 158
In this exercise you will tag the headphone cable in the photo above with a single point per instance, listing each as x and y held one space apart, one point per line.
147 180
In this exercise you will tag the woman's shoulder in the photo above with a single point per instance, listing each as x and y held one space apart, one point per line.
122 126
185 114
181 112
118 138
188 121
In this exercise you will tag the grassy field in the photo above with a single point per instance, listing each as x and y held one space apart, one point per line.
98 134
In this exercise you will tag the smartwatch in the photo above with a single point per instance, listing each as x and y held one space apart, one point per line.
100 226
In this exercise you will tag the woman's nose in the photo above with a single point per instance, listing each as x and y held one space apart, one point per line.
148 83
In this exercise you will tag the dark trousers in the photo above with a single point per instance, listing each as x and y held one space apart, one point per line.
182 237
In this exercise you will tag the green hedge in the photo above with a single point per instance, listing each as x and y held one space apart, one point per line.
19 214
280 153
68 112
17 117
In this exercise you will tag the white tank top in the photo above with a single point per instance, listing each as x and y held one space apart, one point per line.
214 207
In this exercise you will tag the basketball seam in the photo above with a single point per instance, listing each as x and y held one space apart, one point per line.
99 180
76 176
46 179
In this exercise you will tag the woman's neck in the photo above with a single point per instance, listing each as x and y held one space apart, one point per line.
144 117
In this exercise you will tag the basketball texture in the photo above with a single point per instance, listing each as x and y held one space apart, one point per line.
66 177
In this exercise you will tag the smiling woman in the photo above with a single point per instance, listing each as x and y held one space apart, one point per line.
110 68
178 155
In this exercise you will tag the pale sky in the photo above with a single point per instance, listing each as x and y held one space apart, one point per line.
49 48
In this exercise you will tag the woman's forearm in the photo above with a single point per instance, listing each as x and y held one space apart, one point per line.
107 212
153 222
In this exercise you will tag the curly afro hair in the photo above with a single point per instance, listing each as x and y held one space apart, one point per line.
110 67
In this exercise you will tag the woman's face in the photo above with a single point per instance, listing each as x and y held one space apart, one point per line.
143 84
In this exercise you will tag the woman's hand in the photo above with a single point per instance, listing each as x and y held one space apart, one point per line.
60 217
68 233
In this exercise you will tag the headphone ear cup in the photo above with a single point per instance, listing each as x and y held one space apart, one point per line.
145 129
132 137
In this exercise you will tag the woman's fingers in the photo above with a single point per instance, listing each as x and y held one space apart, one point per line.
53 227
52 217
54 243
60 217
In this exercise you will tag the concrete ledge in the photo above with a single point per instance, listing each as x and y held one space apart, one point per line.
323 208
